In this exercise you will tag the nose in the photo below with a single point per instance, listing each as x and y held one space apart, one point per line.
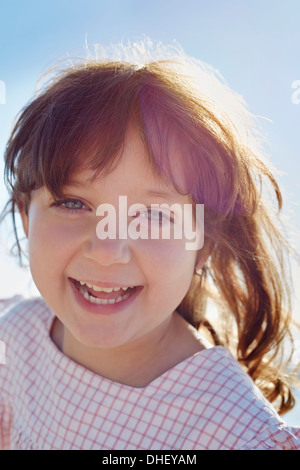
108 251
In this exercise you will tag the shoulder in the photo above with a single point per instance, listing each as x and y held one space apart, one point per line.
24 339
232 412
275 438
6 304
22 319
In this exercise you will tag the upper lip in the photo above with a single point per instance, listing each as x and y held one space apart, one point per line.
104 283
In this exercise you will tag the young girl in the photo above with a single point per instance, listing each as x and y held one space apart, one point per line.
123 349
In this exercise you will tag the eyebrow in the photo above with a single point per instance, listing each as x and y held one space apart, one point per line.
163 194
149 192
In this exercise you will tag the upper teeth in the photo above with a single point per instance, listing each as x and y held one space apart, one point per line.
102 289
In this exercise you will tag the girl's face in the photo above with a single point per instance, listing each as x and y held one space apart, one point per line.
69 261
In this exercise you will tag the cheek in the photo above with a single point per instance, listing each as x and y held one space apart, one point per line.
46 239
51 233
45 257
169 263
170 253
51 245
169 274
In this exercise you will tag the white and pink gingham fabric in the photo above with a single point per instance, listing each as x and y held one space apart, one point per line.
47 401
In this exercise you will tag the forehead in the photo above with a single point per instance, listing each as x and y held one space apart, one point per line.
135 172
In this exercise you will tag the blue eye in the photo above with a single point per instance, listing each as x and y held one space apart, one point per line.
73 204
70 205
157 215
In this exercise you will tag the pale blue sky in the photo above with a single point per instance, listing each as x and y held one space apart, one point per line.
254 43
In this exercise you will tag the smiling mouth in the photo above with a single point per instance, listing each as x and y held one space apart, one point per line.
103 296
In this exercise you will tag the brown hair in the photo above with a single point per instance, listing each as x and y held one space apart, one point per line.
80 120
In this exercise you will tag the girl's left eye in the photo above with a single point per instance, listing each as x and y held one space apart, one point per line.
157 216
70 205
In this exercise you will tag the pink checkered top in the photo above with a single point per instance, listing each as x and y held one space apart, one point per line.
47 401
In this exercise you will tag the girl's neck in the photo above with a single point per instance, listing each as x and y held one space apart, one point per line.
138 363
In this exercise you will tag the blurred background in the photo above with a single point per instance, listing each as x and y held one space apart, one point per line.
255 44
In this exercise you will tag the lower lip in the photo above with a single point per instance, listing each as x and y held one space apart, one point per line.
107 309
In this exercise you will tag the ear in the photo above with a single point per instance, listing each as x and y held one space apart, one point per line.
24 217
202 256
200 263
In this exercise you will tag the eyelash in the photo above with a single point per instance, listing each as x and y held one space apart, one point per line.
162 215
61 205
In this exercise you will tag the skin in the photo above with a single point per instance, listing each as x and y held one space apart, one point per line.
139 343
